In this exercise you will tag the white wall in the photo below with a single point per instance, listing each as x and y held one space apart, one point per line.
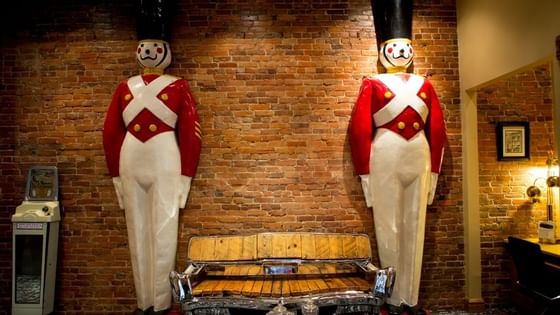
496 38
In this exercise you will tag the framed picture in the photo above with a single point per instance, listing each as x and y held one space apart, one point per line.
512 140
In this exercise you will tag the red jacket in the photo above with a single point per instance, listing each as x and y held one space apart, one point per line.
145 124
375 96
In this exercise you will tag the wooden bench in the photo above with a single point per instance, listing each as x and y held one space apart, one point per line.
260 271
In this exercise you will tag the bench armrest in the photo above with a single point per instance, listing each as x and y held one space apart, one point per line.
181 283
384 280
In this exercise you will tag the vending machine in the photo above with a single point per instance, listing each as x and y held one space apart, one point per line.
35 227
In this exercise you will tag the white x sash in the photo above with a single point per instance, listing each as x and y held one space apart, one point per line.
405 96
145 96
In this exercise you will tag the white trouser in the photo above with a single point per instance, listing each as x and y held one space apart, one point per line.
399 184
150 174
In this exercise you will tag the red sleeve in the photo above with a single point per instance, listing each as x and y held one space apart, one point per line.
361 129
435 130
114 131
189 133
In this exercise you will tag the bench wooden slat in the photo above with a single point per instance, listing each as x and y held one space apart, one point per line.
222 248
249 248
305 269
234 287
296 245
345 268
220 287
204 287
244 270
267 288
303 286
279 286
293 245
243 273
247 288
255 270
326 269
308 246
234 248
256 289
350 250
202 248
276 288
330 284
294 287
363 247
321 284
335 247
360 283
322 246
264 245
279 245
312 285
286 290
348 284
340 284
230 270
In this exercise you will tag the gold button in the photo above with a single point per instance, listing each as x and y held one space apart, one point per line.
401 125
164 96
416 125
423 95
388 94
137 127
127 97
153 128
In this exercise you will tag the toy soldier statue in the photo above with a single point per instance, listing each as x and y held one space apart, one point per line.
397 134
152 141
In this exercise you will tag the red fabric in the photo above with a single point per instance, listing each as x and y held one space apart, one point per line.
373 96
187 129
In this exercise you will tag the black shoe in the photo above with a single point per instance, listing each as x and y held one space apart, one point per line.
138 312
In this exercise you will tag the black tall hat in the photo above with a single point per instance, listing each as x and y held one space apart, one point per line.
392 19
154 19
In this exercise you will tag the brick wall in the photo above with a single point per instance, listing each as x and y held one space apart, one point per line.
275 83
504 206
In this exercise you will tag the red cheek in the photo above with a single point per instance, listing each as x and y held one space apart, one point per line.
390 50
159 50
411 50
139 50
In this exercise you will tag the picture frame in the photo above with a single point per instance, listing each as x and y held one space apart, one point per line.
513 140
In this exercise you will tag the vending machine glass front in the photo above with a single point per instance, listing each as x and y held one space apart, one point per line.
28 261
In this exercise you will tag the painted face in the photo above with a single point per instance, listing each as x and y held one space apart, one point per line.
153 53
396 54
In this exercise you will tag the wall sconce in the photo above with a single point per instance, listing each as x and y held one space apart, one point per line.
534 192
552 180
